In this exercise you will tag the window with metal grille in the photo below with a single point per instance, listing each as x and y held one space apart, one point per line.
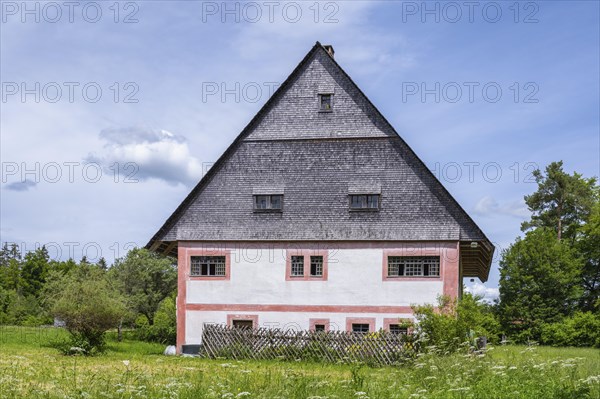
396 329
364 202
316 266
361 328
413 266
297 269
210 266
268 202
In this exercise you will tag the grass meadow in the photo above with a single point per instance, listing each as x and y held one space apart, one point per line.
31 368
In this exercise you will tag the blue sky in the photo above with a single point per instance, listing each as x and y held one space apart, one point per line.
475 90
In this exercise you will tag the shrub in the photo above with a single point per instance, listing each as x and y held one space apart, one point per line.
164 329
88 306
453 323
581 329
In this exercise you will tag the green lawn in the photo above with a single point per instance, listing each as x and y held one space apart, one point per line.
30 368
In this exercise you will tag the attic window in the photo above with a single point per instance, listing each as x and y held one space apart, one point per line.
326 102
364 202
268 203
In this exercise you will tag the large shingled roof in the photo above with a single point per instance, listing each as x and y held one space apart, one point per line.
316 159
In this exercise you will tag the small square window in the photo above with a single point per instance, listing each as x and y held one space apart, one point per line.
266 203
326 102
319 327
297 266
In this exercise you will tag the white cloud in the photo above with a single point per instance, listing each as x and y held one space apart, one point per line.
488 206
488 294
148 154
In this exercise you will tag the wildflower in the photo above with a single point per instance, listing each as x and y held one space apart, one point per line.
242 394
126 363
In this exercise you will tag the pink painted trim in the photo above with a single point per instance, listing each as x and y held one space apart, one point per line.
452 282
209 252
207 307
307 253
232 317
313 322
360 320
181 297
396 320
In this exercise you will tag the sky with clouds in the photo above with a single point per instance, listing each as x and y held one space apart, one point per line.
111 112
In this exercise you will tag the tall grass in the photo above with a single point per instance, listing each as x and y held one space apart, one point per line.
30 368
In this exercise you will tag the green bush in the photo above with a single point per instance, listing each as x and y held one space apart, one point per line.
164 329
581 329
453 324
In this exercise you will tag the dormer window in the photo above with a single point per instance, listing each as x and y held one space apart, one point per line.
326 102
364 202
268 203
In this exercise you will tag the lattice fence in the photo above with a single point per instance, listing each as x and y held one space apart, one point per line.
377 348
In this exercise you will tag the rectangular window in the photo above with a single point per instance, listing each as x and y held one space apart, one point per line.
297 266
396 329
361 328
413 266
319 327
243 324
268 202
316 266
207 266
325 102
364 201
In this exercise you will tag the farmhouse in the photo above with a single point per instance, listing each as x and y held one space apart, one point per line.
318 216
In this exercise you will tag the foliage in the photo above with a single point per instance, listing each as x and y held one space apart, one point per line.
581 329
539 283
589 248
562 202
164 329
88 306
453 323
145 279
132 369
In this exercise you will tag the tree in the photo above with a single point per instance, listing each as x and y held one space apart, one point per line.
34 271
88 305
589 247
539 283
145 279
562 201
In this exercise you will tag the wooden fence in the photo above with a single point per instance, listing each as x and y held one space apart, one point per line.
376 348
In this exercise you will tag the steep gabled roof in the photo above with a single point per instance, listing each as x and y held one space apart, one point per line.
318 159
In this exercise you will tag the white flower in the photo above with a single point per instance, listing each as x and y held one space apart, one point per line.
126 363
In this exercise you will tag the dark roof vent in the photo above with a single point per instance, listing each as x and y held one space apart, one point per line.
329 49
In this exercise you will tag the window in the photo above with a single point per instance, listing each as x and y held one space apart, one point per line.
265 203
413 266
325 102
306 265
208 266
316 266
396 329
297 266
243 324
361 328
319 327
364 202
